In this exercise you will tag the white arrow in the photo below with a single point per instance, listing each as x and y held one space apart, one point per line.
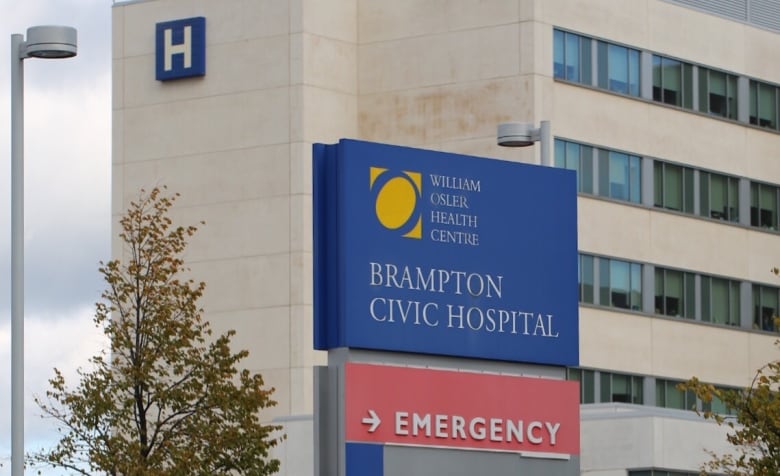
372 419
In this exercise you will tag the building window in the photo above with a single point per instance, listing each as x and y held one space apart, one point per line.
587 380
765 305
672 82
667 395
673 187
619 176
675 293
763 205
763 104
717 93
660 472
577 157
620 284
586 278
720 300
618 68
572 57
621 388
716 405
719 196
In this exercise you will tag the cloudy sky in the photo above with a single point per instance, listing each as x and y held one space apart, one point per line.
67 201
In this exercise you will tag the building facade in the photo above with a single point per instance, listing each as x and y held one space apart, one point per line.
668 110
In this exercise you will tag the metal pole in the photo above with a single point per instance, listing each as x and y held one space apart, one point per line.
17 256
545 138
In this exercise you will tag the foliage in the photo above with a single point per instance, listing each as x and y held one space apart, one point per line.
755 427
168 399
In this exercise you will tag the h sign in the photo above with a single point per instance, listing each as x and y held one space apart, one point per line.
181 48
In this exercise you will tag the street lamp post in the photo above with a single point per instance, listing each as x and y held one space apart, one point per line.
521 134
42 42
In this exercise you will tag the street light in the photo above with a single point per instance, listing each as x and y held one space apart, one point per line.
521 134
42 42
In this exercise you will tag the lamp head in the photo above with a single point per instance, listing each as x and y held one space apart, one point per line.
516 134
50 41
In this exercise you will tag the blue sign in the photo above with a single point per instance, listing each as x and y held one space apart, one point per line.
180 48
431 252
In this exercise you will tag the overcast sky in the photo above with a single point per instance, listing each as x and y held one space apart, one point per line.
67 201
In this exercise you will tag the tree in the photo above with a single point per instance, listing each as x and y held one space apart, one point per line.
168 398
755 425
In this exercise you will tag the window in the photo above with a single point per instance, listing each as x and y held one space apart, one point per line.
620 284
763 104
719 195
720 300
763 205
586 378
621 388
765 305
675 293
716 405
667 395
660 472
572 57
672 82
618 68
573 156
673 187
619 176
717 93
586 278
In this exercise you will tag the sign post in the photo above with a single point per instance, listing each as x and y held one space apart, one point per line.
425 253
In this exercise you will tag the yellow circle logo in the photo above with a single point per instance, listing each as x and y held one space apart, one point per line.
395 203
396 197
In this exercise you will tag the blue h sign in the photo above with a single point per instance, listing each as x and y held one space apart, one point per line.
181 48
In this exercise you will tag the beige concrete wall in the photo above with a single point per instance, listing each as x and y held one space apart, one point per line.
223 142
616 437
236 144
671 348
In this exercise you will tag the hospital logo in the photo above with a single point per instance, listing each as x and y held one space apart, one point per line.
180 48
396 200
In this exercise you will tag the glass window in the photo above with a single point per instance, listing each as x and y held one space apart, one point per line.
720 300
673 187
586 378
586 278
719 195
577 157
675 293
621 388
717 93
763 205
571 57
619 176
667 395
559 68
716 405
763 105
618 68
672 82
620 284
765 305
660 472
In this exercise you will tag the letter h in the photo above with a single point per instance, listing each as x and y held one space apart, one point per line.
185 48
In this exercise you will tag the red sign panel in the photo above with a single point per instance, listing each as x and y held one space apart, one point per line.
414 406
